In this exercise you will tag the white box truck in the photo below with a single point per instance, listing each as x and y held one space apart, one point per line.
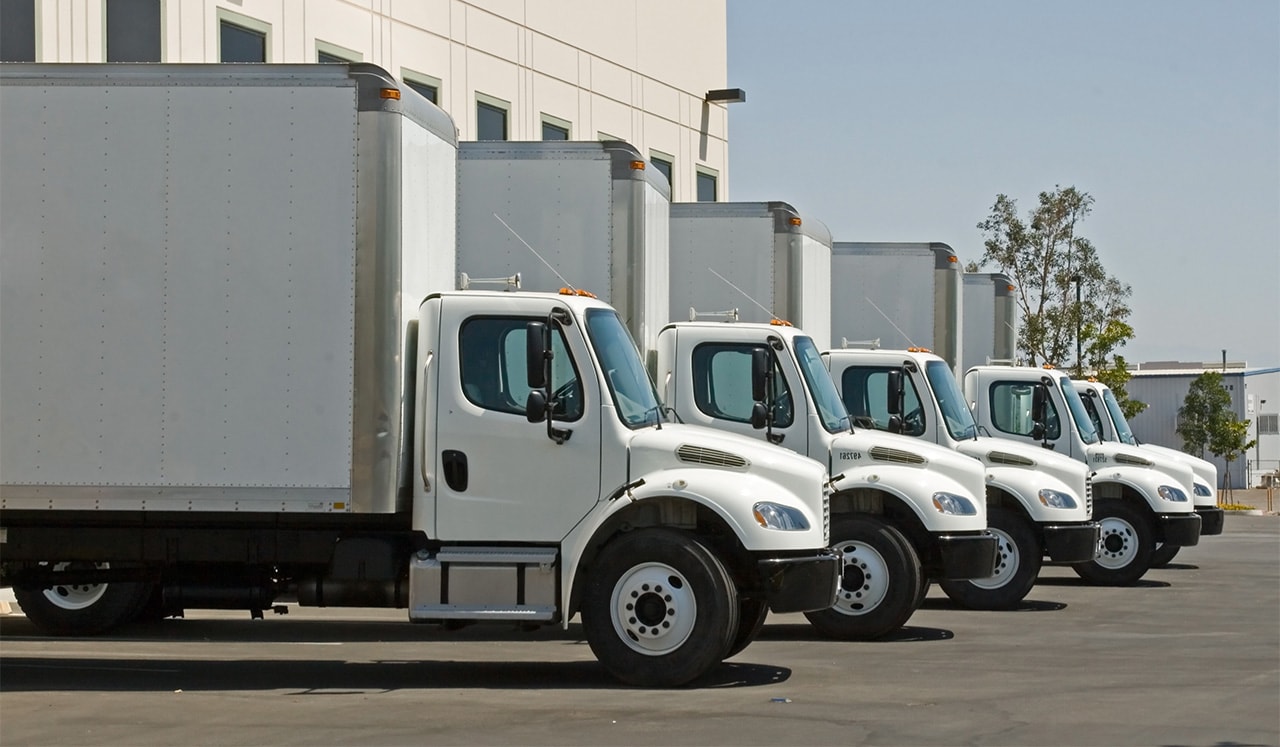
1111 424
227 380
990 320
1038 503
779 260
897 295
904 511
1140 498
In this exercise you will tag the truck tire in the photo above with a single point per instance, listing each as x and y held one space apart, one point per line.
751 615
1018 560
1163 554
82 609
659 609
1126 546
879 584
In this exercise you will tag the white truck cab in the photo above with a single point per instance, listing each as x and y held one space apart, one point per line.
1039 503
903 510
1111 424
1140 499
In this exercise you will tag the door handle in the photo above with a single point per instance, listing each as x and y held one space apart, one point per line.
454 464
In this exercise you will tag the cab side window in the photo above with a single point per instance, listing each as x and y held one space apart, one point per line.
722 384
492 367
1011 410
865 391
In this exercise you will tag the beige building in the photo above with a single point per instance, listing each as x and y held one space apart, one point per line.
634 70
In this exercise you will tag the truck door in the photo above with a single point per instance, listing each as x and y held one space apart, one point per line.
721 373
1010 404
499 476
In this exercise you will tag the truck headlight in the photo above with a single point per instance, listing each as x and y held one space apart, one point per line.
956 505
1056 499
1170 493
1202 490
775 516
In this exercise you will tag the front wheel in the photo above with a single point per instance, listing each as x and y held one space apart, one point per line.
1125 549
1018 560
751 615
659 608
879 583
1163 555
73 609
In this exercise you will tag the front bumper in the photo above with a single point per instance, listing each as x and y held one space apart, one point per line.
966 555
800 584
1211 520
1178 529
1072 543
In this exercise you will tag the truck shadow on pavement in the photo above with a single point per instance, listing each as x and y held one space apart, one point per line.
1143 583
333 676
1026 605
804 632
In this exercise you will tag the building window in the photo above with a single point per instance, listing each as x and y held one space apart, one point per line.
241 43
491 119
554 128
17 30
326 52
663 163
707 186
133 30
1269 424
429 90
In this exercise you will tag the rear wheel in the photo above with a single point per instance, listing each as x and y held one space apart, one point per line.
1018 560
69 608
1125 548
880 580
659 608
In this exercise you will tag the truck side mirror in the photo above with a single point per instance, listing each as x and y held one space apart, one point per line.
759 415
536 356
1039 403
535 408
1037 431
894 393
759 373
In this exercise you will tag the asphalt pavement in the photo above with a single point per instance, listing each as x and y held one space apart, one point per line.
1189 656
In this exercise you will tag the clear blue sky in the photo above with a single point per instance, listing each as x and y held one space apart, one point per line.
902 121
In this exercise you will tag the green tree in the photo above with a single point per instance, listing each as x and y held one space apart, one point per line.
1207 421
1114 372
1047 257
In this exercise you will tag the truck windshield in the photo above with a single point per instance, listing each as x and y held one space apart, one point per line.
955 412
629 385
823 390
1078 412
1123 432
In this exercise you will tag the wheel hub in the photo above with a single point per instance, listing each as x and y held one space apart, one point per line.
1007 562
864 579
1119 545
654 609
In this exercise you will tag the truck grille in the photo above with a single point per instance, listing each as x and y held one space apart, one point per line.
712 457
1088 495
898 456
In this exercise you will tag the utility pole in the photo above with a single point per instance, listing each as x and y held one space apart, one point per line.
1079 362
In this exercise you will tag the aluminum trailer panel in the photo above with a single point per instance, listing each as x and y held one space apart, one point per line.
184 255
900 293
990 330
591 210
777 260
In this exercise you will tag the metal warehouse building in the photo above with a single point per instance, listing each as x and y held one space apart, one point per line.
650 72
1255 396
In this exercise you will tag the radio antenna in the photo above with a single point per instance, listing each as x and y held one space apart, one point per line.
890 321
744 293
535 253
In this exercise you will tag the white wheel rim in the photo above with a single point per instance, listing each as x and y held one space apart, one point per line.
864 579
654 609
1007 562
75 596
1118 546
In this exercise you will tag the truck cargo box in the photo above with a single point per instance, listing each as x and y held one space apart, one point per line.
990 319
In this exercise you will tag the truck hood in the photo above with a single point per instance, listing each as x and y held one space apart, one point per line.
867 448
1000 452
1206 475
678 445
1110 454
